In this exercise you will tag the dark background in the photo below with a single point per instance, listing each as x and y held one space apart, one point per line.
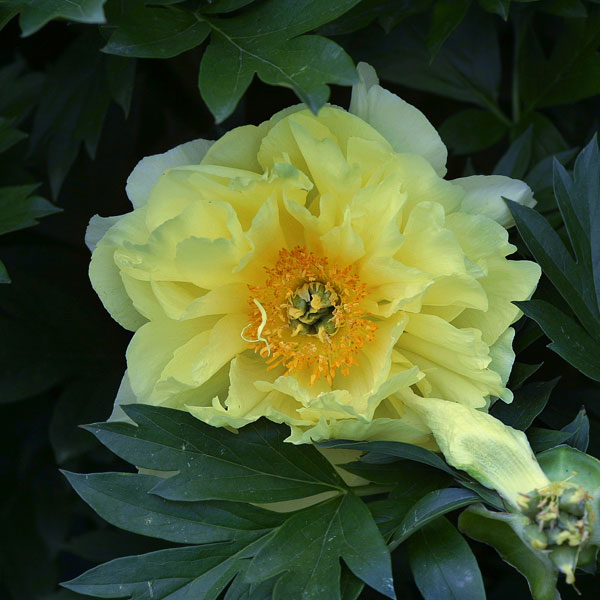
68 355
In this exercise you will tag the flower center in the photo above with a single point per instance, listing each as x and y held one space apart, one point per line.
307 315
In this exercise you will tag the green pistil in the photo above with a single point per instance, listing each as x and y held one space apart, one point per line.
311 310
560 514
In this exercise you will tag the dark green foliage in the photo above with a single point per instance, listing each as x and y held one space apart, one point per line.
514 84
443 565
572 266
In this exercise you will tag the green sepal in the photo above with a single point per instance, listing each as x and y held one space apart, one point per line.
507 533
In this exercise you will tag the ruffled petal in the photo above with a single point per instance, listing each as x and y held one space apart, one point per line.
403 125
148 171
484 195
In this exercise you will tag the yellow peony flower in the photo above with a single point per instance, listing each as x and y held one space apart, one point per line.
317 271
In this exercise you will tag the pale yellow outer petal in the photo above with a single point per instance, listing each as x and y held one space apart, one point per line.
148 171
403 125
484 196
105 275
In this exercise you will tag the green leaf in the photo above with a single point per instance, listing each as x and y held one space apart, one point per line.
37 350
199 572
240 589
120 76
501 531
74 100
154 31
568 277
520 373
572 71
395 449
417 482
574 210
429 508
528 403
67 438
447 14
498 7
240 48
579 428
21 90
571 9
467 68
569 340
124 500
36 13
309 544
387 12
9 136
443 565
20 209
516 160
255 465
471 130
4 277
585 200
546 138
102 545
541 175
542 439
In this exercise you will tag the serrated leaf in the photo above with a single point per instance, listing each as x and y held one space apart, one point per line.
471 130
74 101
528 403
124 500
447 14
499 530
585 201
429 508
567 276
239 49
199 572
36 13
20 90
254 465
569 339
443 565
142 31
309 544
19 208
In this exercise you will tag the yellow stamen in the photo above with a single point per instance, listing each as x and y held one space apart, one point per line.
309 316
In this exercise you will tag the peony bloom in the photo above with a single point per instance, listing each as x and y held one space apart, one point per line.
317 271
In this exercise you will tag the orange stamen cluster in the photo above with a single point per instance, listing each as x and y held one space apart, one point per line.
280 344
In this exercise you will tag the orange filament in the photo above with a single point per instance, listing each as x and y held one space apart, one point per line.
274 334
